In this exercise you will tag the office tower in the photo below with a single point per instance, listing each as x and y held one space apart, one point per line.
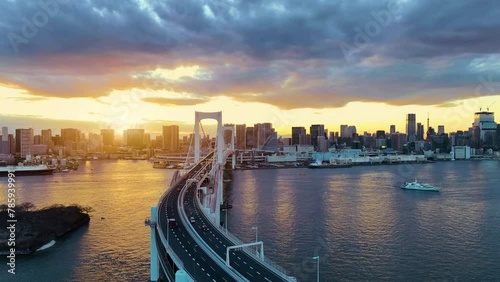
344 131
351 131
37 140
241 136
108 136
46 138
249 136
171 138
380 134
440 129
5 141
70 134
228 133
315 131
296 132
261 132
393 129
420 131
24 142
411 127
484 129
135 138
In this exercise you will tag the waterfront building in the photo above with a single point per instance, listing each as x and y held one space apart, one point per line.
296 132
249 137
398 140
241 136
484 129
108 136
411 127
351 131
24 142
170 138
70 135
40 149
322 144
5 140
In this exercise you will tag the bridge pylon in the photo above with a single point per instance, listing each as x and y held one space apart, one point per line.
154 263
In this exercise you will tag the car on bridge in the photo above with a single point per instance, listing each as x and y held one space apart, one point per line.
204 227
192 220
172 223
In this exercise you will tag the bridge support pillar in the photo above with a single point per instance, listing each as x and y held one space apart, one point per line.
154 263
198 116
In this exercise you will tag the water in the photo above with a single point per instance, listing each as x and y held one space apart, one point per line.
362 226
116 247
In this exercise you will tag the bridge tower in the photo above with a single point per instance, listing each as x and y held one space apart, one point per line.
220 150
233 160
198 116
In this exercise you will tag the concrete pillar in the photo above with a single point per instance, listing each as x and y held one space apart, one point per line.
154 263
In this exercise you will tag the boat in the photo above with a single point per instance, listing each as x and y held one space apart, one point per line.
415 185
319 164
22 169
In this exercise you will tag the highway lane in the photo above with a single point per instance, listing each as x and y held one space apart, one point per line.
198 263
246 265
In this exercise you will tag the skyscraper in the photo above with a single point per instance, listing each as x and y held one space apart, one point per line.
228 133
24 142
344 131
411 127
316 130
393 129
5 141
108 136
171 138
296 132
135 138
241 136
420 131
440 129
249 136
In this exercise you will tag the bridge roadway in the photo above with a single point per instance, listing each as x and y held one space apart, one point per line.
196 262
199 264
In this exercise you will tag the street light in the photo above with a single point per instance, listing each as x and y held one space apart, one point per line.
256 228
317 258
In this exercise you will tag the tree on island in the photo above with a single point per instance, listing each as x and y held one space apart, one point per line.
26 206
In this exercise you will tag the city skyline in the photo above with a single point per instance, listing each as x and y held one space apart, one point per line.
363 70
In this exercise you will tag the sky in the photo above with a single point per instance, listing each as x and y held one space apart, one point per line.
143 64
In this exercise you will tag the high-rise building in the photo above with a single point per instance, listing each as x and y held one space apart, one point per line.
24 142
420 131
316 130
228 133
37 139
351 131
241 136
398 140
344 131
484 129
296 132
411 127
5 141
171 138
108 136
261 132
440 129
393 129
380 134
46 138
70 134
249 136
135 138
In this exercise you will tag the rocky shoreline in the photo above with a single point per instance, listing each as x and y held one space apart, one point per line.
36 228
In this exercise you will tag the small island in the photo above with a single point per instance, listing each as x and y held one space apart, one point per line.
35 228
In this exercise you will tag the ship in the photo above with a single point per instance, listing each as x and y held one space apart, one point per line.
21 169
415 185
319 164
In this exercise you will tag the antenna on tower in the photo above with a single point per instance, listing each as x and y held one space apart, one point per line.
427 121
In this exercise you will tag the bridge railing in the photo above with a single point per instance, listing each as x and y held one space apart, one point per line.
251 252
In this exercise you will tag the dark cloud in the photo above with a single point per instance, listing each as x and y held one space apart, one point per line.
287 53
